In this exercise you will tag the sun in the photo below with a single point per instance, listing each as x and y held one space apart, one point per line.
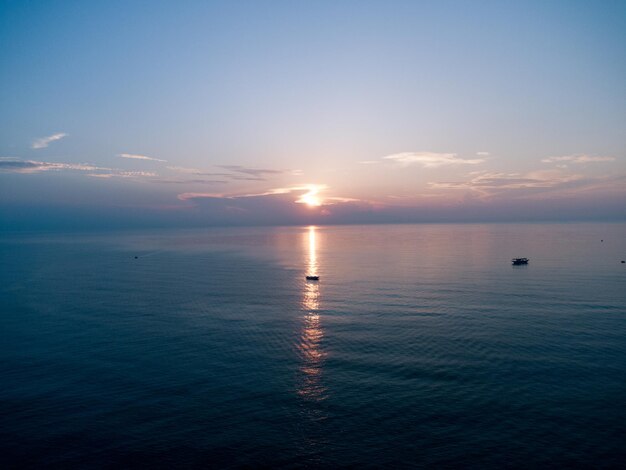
311 198
311 201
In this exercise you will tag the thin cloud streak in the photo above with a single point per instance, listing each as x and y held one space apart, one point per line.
490 180
124 174
193 181
196 171
139 157
43 142
431 159
246 178
533 185
489 184
16 165
578 159
258 172
237 172
305 189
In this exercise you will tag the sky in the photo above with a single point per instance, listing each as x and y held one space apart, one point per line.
167 114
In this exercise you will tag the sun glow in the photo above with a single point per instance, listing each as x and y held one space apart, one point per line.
311 198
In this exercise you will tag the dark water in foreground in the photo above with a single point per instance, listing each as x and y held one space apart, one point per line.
420 346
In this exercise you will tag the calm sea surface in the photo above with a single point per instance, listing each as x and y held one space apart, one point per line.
420 346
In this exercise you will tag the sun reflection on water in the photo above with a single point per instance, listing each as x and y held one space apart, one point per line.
312 333
312 261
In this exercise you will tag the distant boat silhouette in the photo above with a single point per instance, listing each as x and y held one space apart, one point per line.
519 261
312 278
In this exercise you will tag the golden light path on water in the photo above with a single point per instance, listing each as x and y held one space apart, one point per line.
312 333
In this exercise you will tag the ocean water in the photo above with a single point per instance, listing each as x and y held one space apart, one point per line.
420 346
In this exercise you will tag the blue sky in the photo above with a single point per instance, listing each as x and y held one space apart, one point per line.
194 113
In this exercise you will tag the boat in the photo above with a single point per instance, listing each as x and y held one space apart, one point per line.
312 278
519 261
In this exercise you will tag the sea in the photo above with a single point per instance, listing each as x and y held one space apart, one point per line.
420 346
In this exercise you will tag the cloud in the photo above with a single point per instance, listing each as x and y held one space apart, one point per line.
190 196
139 157
285 205
336 199
576 199
195 171
16 165
304 190
431 159
193 181
237 172
43 142
534 185
581 158
483 154
489 180
256 172
182 169
246 178
124 174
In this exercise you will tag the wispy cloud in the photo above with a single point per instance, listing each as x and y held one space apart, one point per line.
489 180
189 181
195 171
581 158
431 159
182 169
189 196
43 142
236 172
16 165
534 184
133 156
293 204
246 178
256 172
306 193
336 199
483 154
124 174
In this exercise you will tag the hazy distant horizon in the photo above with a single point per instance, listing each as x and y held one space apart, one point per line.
77 222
